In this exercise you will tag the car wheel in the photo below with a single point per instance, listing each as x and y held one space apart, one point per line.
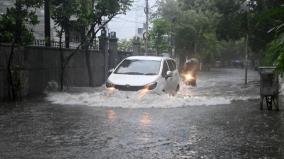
177 88
193 83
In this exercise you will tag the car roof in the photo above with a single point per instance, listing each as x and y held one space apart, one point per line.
156 58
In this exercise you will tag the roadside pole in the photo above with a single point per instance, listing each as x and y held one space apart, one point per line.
147 27
47 22
246 60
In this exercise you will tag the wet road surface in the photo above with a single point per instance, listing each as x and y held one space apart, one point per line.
38 129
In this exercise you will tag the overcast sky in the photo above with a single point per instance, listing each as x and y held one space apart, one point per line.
126 26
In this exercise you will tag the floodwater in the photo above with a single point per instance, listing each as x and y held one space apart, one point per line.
220 118
213 88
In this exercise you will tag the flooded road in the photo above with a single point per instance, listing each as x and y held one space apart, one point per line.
220 118
213 88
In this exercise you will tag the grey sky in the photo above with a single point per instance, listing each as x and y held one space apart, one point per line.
126 25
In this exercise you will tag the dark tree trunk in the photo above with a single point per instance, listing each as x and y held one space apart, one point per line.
11 85
18 31
89 68
17 40
61 61
83 40
85 47
88 65
67 35
47 22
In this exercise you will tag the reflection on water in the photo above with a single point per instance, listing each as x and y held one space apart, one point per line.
110 90
111 115
143 92
145 120
193 135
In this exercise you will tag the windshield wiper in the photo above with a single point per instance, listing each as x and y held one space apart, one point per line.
150 74
133 73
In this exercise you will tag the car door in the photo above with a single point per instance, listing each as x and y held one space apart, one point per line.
175 74
171 80
165 80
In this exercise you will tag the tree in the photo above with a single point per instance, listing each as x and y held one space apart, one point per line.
93 15
194 27
14 29
160 34
97 14
61 12
125 45
275 51
253 17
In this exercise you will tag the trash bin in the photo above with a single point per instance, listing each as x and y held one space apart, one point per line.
269 87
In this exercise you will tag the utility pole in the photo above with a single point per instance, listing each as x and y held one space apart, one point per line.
172 36
147 27
47 22
247 38
246 8
246 60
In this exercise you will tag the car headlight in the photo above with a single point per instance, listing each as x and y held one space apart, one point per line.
109 84
151 86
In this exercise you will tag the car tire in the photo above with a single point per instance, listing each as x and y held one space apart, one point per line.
178 87
193 83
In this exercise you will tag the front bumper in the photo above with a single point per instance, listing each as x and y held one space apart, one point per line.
150 86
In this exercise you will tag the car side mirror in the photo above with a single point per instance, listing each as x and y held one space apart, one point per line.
169 74
110 71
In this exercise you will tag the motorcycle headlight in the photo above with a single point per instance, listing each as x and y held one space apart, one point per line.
189 77
151 86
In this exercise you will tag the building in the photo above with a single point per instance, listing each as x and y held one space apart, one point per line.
37 29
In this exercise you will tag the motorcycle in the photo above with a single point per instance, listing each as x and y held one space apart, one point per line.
189 72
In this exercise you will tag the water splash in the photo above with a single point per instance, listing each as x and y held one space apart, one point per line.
135 100
213 88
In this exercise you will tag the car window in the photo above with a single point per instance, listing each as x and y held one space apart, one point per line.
171 64
174 64
139 67
165 69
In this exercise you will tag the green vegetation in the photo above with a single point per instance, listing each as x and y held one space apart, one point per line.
125 45
14 23
91 16
256 18
207 29
275 53
14 30
191 26
160 35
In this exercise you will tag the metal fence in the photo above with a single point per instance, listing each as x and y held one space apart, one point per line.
39 42
56 44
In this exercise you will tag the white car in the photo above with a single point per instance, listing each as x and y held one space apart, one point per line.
158 74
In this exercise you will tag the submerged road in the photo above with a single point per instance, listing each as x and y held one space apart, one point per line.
220 118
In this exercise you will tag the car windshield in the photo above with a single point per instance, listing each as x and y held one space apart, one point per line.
139 67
